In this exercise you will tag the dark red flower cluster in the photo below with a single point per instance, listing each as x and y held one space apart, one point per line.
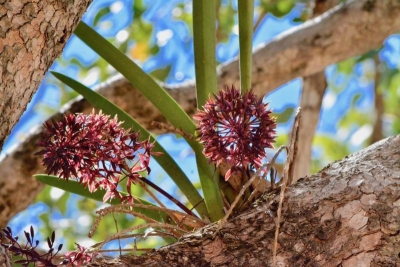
95 150
236 128
29 253
78 258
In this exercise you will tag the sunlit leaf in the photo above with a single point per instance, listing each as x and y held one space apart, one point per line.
346 66
165 161
161 74
284 116
100 14
79 189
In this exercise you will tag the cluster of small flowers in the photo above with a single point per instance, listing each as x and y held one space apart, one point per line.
236 128
95 150
29 253
78 258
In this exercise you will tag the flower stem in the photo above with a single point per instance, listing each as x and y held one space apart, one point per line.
204 39
164 193
246 13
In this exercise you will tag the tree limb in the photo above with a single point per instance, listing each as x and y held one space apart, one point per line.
310 102
348 30
32 36
345 215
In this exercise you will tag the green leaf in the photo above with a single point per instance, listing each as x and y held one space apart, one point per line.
79 189
333 149
284 6
141 80
165 161
204 39
246 14
226 21
156 95
62 202
346 66
161 74
102 12
284 116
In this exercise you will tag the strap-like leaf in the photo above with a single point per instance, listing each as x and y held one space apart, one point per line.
140 79
79 189
165 160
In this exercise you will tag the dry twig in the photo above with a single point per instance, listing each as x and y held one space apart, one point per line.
285 180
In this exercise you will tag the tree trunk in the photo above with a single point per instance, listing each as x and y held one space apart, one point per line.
32 36
346 215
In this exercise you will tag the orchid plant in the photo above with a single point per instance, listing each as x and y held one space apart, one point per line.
102 155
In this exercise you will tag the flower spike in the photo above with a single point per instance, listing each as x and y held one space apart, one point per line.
236 128
95 150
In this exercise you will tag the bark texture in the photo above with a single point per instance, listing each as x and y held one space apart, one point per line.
4 258
346 215
32 35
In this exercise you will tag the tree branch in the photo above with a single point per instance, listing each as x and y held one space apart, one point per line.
32 36
310 102
348 30
345 215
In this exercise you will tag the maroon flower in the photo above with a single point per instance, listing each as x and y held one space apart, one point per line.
78 258
95 150
236 128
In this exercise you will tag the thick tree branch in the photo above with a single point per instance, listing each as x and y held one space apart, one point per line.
345 31
345 215
32 36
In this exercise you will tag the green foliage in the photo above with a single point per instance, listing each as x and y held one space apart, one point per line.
204 39
225 21
330 148
166 161
141 80
246 14
277 8
285 115
102 12
77 188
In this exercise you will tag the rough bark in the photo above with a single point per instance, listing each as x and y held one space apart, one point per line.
32 35
322 41
4 257
346 215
